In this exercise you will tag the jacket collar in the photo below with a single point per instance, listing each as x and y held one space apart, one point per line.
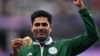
48 41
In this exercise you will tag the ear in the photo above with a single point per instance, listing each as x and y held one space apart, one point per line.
31 28
50 27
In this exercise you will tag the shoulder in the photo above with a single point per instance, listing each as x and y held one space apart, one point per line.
63 41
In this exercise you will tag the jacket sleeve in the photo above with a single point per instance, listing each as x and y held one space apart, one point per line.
82 42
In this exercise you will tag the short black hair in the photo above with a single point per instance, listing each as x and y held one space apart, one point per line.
41 13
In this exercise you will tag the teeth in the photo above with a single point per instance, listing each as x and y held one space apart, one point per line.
27 41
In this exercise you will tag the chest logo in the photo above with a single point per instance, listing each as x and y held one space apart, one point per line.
53 50
29 54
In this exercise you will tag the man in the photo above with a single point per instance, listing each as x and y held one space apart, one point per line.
43 45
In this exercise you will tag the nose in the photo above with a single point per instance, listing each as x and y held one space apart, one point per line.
41 27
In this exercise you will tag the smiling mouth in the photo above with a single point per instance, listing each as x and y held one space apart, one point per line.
41 33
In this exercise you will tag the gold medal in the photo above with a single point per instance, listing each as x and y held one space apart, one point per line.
27 41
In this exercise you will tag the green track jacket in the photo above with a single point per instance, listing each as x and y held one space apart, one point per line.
66 47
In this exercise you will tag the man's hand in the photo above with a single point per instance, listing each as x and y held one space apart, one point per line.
16 44
79 4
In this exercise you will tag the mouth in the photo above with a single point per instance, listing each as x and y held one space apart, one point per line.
41 33
41 36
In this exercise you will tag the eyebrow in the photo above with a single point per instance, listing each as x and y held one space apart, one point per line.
43 24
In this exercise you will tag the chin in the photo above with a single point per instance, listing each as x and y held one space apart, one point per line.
41 38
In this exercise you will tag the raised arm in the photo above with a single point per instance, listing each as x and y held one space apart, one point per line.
79 4
82 42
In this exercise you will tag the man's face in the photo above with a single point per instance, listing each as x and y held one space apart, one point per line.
41 28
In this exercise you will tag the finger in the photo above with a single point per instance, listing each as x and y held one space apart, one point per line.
14 41
17 43
74 0
17 46
18 39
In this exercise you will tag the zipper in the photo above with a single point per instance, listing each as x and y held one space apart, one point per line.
42 49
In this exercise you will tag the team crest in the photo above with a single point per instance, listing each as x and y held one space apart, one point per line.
53 50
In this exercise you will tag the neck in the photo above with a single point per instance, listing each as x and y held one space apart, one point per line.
42 44
46 42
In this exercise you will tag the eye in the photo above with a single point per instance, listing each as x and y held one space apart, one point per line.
44 24
37 24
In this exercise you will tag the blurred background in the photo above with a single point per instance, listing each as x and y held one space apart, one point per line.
15 21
